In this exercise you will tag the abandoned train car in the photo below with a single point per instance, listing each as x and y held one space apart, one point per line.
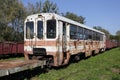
56 38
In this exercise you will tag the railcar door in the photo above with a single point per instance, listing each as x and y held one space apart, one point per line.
65 41
39 37
64 38
62 41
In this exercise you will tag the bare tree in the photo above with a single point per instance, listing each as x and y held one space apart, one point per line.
46 7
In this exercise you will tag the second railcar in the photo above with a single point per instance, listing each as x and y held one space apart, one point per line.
11 48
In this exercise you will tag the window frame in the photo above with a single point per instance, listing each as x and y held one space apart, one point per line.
52 33
30 31
80 33
77 32
101 37
73 30
94 35
90 35
38 29
86 34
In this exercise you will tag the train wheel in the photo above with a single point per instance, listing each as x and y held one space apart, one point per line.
49 62
77 57
93 53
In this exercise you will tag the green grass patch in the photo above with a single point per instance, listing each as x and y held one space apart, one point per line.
105 66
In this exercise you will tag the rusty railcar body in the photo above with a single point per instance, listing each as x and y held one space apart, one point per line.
111 44
11 48
56 39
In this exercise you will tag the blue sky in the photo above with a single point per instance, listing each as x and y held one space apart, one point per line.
104 13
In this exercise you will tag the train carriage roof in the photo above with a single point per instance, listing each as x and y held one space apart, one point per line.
61 18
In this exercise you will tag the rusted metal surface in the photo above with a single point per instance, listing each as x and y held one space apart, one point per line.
14 66
111 44
11 47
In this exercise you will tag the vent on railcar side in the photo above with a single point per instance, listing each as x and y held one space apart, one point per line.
39 51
